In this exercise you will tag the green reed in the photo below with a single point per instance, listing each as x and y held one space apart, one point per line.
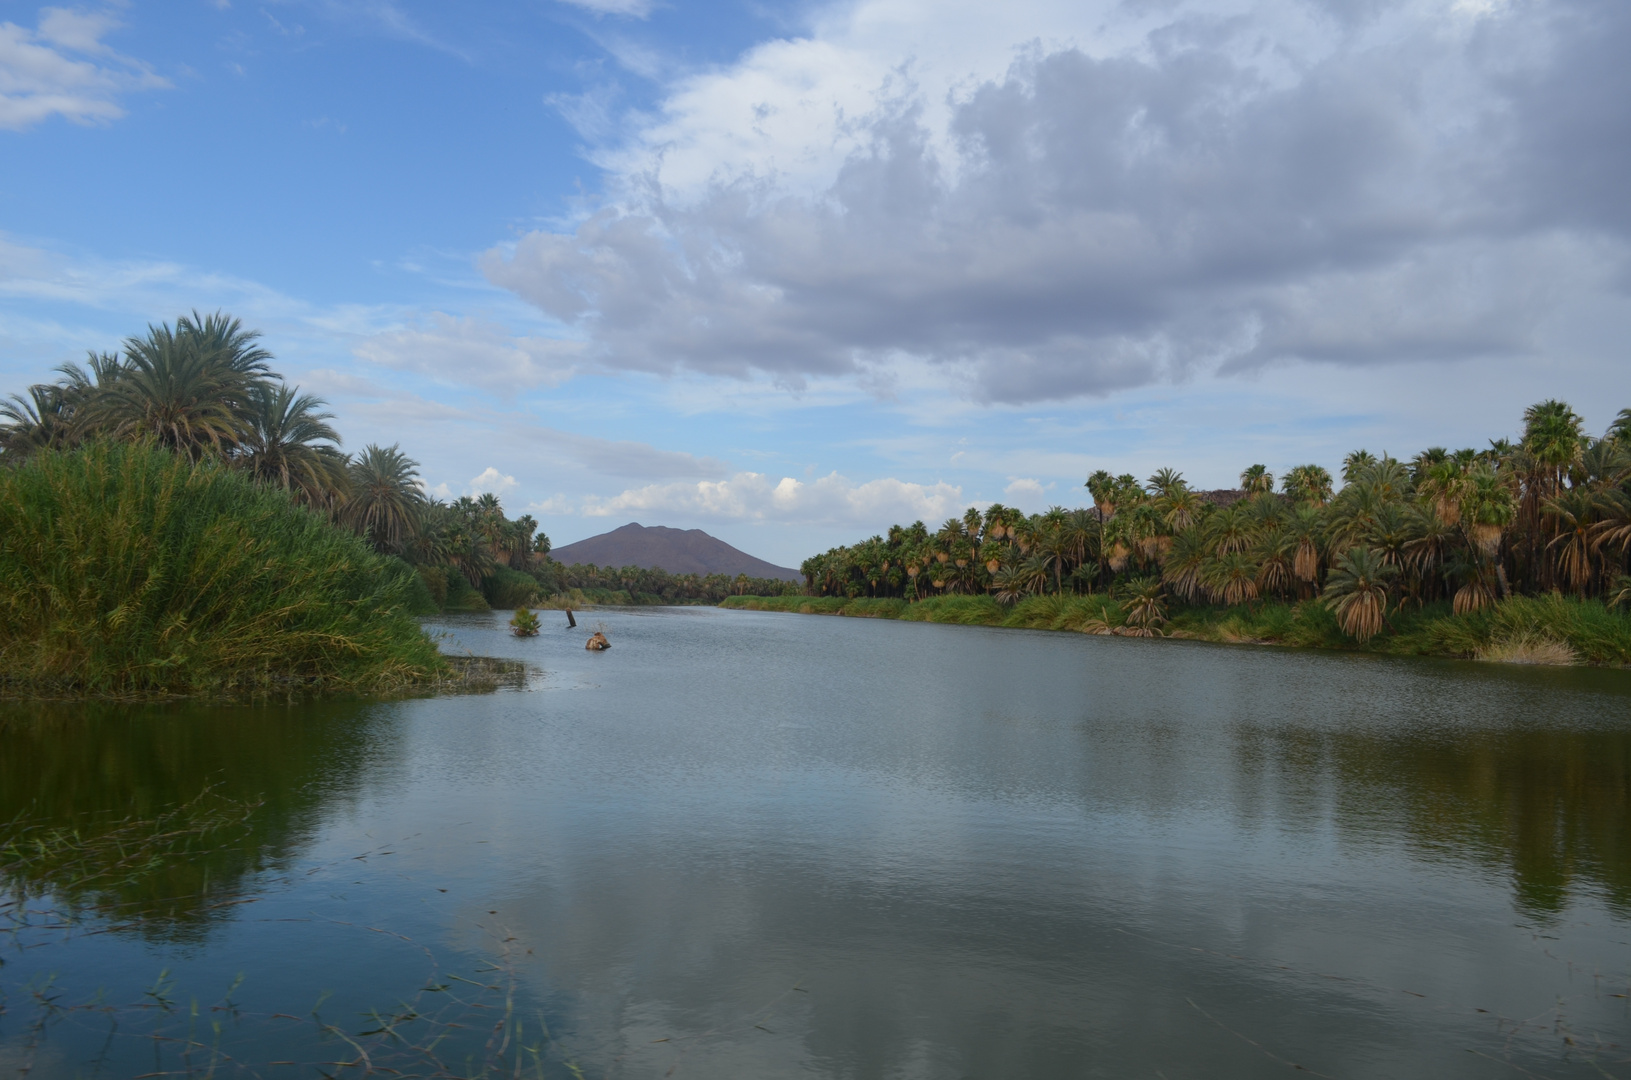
128 571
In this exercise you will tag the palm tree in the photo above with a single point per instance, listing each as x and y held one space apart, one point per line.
386 500
521 545
1276 558
1256 478
1101 485
180 391
1144 604
1357 591
1167 483
1355 463
1307 527
1576 512
42 420
289 443
1230 529
1232 577
1185 563
1486 509
1308 483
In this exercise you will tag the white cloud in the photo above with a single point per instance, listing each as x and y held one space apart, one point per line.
1048 200
472 352
491 480
755 497
1024 486
636 9
63 68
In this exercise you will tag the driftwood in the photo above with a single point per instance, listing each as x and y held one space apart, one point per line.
598 642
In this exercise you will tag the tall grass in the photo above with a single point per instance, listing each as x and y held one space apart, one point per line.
127 571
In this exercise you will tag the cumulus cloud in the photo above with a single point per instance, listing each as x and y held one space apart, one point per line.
1388 183
63 68
754 497
491 480
472 352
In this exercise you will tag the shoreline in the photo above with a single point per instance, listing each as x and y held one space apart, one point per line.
1550 630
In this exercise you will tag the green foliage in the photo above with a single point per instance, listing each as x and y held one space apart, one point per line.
462 596
435 579
524 623
419 600
506 588
127 570
642 585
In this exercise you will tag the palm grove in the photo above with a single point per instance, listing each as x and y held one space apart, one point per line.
1469 529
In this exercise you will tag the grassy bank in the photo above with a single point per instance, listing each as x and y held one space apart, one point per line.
1545 630
129 571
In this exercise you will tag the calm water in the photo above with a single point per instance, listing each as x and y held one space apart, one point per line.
745 845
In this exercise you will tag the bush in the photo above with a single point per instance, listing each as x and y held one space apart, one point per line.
126 570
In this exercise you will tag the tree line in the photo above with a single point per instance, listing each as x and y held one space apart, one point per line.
1550 511
204 389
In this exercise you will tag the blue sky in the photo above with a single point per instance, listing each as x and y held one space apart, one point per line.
792 272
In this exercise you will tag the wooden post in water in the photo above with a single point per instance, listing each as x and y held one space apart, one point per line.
571 623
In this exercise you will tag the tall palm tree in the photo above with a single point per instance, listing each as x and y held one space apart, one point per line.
288 442
385 500
1185 563
1576 511
1167 483
1256 478
180 392
1307 526
1357 591
1276 556
1355 463
1308 483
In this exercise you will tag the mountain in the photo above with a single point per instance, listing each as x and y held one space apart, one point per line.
679 551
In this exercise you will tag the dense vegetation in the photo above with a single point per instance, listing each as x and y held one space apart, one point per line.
1465 540
127 569
204 391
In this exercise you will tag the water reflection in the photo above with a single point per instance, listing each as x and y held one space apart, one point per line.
152 816
754 844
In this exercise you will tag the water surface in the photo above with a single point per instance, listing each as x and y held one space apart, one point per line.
754 844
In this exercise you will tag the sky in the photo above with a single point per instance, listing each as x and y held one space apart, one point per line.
793 272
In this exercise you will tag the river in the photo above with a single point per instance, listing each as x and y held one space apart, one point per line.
746 844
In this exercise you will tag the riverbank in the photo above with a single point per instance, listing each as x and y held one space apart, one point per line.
1552 629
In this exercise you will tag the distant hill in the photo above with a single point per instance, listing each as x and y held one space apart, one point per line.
679 551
